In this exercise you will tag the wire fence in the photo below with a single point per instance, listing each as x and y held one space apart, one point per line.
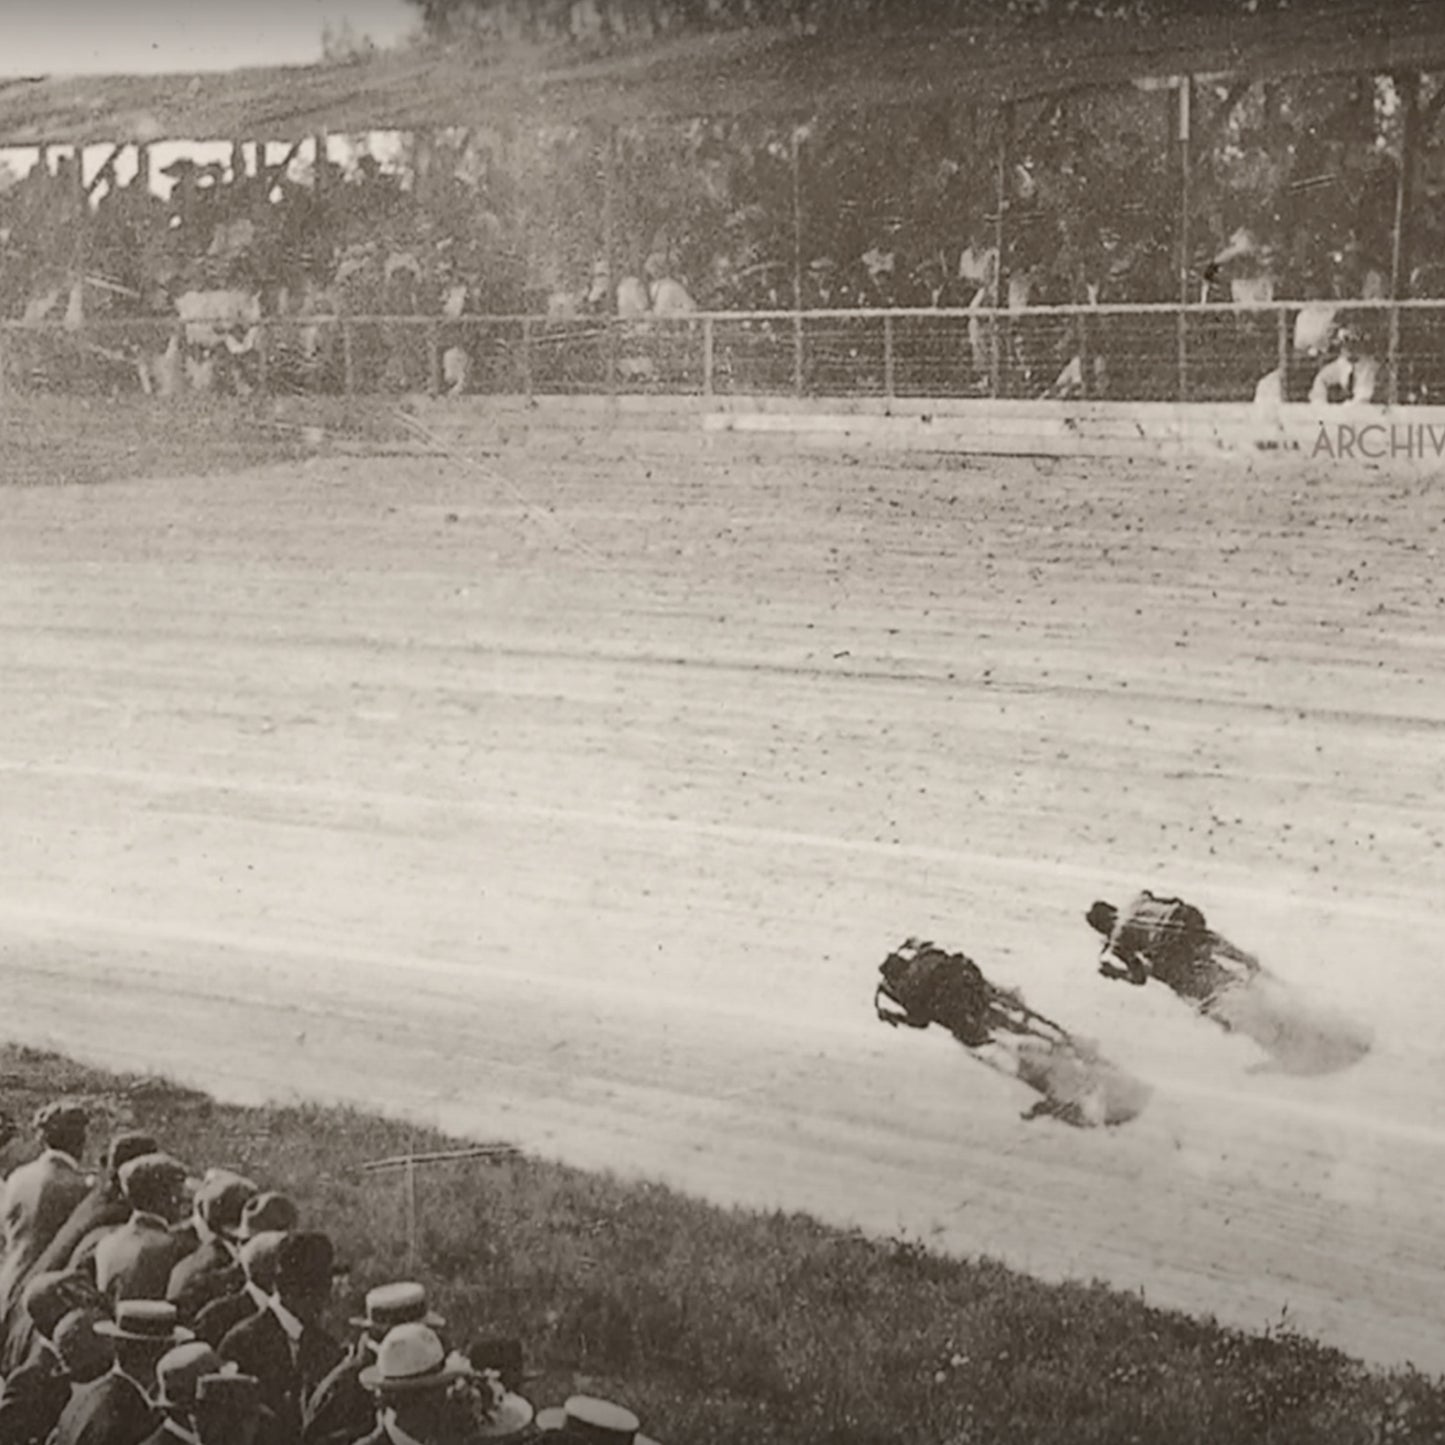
1287 351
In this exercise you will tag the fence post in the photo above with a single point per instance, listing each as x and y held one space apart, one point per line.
348 358
263 356
888 357
434 357
707 356
411 1230
1086 369
1183 355
1393 359
1400 248
527 357
1282 342
797 353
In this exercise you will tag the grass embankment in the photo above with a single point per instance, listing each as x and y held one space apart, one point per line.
727 1328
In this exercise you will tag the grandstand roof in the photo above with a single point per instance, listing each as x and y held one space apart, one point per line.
764 72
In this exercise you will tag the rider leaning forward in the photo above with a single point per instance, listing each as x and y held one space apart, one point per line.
1168 939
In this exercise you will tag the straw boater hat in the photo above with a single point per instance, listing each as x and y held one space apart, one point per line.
145 1321
589 1421
229 1396
181 1369
413 1358
389 1305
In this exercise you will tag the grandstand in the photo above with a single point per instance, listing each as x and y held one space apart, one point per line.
279 219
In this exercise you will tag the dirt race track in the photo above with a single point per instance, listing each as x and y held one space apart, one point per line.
588 829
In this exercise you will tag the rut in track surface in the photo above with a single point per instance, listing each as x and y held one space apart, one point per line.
588 825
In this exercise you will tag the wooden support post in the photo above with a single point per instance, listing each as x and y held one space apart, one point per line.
82 221
263 357
411 1216
1400 258
348 358
238 161
888 378
318 167
707 356
271 174
527 357
609 250
1181 126
434 357
106 170
143 171
799 368
1282 345
1002 189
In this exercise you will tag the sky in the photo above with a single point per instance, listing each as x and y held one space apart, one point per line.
80 37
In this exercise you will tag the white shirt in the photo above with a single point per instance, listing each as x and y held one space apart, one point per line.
263 1300
395 1433
60 1156
290 1324
140 1389
180 1432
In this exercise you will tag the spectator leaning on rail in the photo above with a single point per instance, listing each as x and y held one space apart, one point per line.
135 1260
285 1345
118 1408
203 1275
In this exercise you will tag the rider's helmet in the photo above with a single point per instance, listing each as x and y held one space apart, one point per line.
1102 917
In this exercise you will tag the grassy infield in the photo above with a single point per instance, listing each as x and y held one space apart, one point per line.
722 1327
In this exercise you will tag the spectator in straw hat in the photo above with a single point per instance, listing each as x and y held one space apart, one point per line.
587 1420
178 1372
230 1411
257 1269
204 1274
40 1196
285 1345
426 1396
135 1260
118 1408
341 1409
34 1394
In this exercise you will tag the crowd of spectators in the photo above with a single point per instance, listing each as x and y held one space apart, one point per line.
141 1305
